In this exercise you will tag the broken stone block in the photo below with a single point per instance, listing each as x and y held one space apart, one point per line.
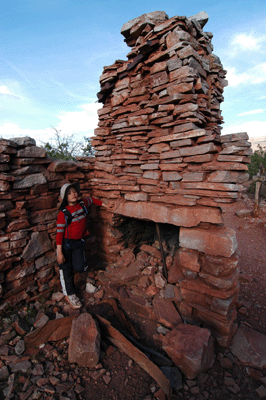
218 241
39 244
166 312
191 348
84 342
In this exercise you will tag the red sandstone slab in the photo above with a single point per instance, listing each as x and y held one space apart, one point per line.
194 176
212 186
84 341
180 88
201 149
32 151
190 126
158 67
223 166
149 166
172 166
145 181
151 189
218 241
160 78
170 154
159 148
182 73
171 176
228 176
165 312
191 348
177 199
152 175
103 131
200 286
178 136
189 259
180 216
225 282
175 98
180 109
188 51
219 266
233 158
208 193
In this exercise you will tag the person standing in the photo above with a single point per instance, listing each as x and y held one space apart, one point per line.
72 228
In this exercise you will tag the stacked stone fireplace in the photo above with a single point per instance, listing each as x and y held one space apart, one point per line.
160 155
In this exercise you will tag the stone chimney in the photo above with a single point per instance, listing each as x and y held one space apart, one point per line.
160 154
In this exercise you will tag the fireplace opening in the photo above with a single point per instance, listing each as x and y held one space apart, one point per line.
138 232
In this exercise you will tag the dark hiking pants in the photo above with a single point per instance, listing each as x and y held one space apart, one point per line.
73 251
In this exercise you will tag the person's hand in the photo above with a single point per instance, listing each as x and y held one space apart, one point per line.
60 258
110 204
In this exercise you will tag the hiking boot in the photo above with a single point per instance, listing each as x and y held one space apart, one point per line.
73 301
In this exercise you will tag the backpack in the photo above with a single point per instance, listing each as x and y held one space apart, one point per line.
68 215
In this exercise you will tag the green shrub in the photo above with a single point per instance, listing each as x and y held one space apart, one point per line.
258 163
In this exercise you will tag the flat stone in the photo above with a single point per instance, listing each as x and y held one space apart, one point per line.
218 265
179 216
165 312
24 141
84 342
249 347
202 18
244 213
4 373
189 259
60 165
32 151
39 243
261 391
29 181
151 18
17 225
20 366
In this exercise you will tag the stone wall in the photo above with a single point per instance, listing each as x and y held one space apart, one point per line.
29 189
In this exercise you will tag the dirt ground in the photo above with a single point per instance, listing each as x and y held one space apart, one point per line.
251 238
118 377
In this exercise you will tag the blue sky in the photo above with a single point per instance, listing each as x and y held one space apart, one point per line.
53 53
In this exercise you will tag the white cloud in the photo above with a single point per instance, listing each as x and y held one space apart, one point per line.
4 90
10 130
84 121
247 42
79 123
259 111
236 78
251 76
253 128
9 93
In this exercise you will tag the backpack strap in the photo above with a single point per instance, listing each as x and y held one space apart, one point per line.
81 202
68 215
